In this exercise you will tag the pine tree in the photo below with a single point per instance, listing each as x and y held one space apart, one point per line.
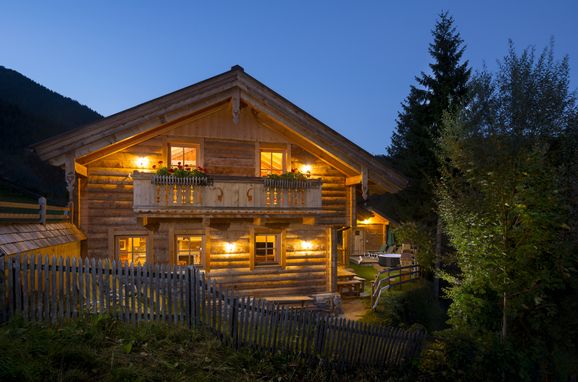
413 146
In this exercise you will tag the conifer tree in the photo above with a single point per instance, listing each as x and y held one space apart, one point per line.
413 144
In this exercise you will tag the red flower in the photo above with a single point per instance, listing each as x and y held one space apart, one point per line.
171 170
154 166
160 162
179 163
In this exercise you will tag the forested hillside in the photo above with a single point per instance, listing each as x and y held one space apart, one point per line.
29 113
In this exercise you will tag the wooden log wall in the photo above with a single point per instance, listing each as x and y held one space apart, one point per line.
299 272
374 236
107 206
333 189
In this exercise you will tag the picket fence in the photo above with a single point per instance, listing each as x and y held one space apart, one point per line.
55 289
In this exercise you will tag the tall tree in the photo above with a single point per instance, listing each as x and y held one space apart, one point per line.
413 144
507 196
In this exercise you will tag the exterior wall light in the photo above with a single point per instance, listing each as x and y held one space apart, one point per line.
229 247
142 162
306 169
306 245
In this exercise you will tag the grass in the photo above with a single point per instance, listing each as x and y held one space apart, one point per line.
408 305
103 349
368 272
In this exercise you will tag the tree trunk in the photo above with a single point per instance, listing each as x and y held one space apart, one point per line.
504 318
438 253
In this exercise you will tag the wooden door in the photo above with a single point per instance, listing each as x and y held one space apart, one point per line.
358 241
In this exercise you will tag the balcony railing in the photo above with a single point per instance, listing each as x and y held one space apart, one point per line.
226 194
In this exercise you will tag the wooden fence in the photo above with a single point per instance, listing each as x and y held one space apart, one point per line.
395 276
33 212
56 289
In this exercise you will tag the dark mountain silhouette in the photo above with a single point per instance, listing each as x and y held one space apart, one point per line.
29 113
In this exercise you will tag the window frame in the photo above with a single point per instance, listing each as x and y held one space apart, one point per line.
284 149
118 237
175 237
198 145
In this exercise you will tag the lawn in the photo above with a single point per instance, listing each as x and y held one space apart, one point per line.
368 272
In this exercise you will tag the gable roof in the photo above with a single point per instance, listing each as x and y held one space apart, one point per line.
162 114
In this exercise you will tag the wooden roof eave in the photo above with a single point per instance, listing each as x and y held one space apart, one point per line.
320 135
164 113
141 117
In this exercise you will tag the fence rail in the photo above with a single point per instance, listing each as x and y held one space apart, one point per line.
56 289
395 276
33 212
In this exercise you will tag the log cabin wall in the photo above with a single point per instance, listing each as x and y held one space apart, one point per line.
374 236
106 202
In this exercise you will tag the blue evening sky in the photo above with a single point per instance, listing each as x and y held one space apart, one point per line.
348 63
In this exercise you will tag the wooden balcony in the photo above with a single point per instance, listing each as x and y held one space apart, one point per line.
226 196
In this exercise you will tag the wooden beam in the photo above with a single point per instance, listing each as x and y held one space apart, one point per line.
351 180
208 249
236 105
80 169
309 221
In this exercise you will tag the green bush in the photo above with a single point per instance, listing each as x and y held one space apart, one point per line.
455 355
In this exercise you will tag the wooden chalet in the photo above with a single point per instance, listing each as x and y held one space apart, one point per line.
259 236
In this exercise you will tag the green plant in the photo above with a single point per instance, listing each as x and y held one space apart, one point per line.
295 174
180 170
420 238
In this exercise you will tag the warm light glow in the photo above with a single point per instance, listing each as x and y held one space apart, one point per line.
306 169
307 245
366 221
229 247
142 162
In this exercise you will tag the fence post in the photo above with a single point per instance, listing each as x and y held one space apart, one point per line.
234 326
320 338
42 211
3 300
189 298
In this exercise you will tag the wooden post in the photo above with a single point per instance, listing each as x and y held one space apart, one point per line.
189 297
234 327
70 178
332 260
42 207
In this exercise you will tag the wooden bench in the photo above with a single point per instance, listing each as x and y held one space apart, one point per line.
290 300
349 287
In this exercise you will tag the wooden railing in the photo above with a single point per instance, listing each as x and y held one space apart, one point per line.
57 289
16 212
395 276
156 194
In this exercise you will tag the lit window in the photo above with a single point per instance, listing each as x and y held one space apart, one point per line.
265 249
272 162
131 249
189 250
183 155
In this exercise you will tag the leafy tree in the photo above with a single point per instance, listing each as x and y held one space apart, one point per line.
507 196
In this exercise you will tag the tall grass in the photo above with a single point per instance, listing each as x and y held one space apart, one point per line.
103 349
